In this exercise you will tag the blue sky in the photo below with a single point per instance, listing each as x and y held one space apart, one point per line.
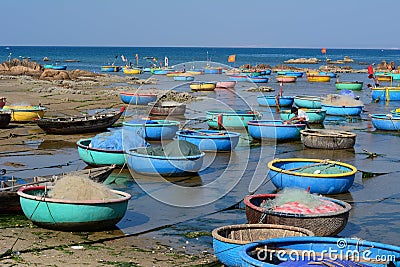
204 23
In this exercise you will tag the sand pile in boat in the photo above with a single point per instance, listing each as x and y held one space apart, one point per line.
298 201
75 187
341 100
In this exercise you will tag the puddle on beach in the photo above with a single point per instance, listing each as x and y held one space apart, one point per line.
201 198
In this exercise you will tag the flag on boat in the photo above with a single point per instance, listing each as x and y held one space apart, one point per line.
232 58
323 50
124 59
166 61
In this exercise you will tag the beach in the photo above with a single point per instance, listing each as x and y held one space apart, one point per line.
33 246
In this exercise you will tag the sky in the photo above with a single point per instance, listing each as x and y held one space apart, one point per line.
204 23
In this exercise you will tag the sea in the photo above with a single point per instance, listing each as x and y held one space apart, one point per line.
183 211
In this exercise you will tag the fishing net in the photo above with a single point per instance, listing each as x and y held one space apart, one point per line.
176 148
299 201
128 138
80 188
323 169
341 100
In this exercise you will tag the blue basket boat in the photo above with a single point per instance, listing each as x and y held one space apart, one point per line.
98 156
273 129
317 175
342 110
386 122
218 119
163 165
230 239
302 251
273 101
155 130
137 99
184 78
110 68
258 79
72 215
304 101
211 140
385 94
238 78
291 73
314 115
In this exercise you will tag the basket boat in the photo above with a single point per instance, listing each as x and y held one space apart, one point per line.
327 139
228 240
325 224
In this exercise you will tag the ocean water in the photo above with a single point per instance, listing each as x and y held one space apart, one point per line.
91 58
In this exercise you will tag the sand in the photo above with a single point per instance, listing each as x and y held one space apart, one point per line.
33 246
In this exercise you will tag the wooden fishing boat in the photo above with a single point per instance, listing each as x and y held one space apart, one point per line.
275 101
385 93
156 130
386 122
164 165
312 251
25 113
9 198
323 224
131 70
219 119
80 124
225 84
342 110
286 78
210 140
203 86
72 215
314 115
137 98
229 240
5 118
327 139
354 86
318 78
384 75
167 108
161 71
305 101
97 156
384 78
110 68
273 129
317 175
185 78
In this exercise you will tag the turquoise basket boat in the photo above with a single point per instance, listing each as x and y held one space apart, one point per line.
274 101
301 251
386 122
303 101
210 140
69 215
317 175
273 129
354 86
314 115
97 156
230 239
218 119
342 110
154 130
162 165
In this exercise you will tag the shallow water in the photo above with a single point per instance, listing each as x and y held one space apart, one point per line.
207 200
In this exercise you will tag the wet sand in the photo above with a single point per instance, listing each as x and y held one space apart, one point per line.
22 243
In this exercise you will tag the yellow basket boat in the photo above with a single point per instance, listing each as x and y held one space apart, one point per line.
203 86
25 113
318 78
